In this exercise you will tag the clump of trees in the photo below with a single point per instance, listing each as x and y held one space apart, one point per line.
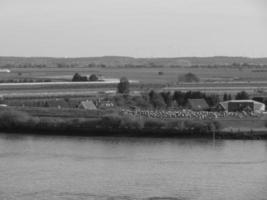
93 77
227 97
163 100
188 77
79 78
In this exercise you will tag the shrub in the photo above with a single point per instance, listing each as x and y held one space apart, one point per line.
243 95
93 77
154 124
156 100
175 125
141 102
189 77
111 121
129 123
196 126
14 119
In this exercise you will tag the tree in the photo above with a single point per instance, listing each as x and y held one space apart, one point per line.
242 95
167 97
78 77
123 86
189 77
178 96
93 77
156 100
225 97
212 99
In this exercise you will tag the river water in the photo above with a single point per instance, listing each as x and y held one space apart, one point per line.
55 168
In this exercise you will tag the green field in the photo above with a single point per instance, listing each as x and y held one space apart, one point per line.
144 75
216 74
225 79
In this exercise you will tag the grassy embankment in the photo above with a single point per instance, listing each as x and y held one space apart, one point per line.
97 124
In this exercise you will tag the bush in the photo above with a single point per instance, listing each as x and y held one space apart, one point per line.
128 123
111 121
156 100
196 126
119 100
93 77
175 125
14 119
243 95
154 124
141 102
189 77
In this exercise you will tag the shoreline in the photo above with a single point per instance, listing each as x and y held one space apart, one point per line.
101 132
115 125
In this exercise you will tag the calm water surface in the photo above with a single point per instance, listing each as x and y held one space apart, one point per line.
119 168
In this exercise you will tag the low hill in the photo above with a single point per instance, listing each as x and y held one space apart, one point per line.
131 61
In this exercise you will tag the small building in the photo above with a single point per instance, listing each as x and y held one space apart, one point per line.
87 105
242 105
197 104
106 104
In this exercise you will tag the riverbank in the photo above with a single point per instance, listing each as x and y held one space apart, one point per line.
13 121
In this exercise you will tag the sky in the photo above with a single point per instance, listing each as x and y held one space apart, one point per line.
137 28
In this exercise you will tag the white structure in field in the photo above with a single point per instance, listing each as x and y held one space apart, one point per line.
5 71
242 105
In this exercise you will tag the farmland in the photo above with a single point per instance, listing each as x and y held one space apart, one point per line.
211 80
144 75
216 75
46 91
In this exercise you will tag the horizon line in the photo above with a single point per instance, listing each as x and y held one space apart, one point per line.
150 57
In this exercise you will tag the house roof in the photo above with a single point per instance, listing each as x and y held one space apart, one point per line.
198 104
258 106
88 105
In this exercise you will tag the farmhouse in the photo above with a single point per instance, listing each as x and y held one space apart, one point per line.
87 105
242 105
197 104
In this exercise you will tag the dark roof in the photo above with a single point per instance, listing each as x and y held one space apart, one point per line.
197 104
87 105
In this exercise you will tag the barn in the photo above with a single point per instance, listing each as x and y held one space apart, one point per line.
197 104
242 105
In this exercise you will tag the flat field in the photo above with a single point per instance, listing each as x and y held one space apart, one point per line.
214 79
144 75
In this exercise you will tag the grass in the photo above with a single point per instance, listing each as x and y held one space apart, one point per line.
55 112
145 75
148 77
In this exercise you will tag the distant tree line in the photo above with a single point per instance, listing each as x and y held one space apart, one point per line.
235 65
164 100
29 65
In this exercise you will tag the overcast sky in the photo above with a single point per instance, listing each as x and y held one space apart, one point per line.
139 28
